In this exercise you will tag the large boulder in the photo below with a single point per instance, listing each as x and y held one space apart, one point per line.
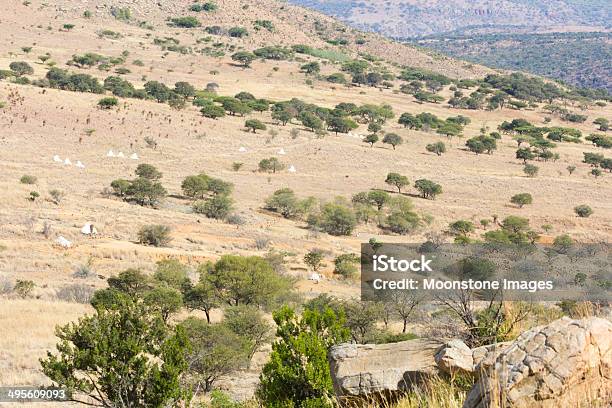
561 364
455 357
367 369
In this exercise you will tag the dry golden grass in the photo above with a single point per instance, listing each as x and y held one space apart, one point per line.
36 124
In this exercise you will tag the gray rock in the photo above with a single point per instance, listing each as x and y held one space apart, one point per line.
455 357
561 364
366 369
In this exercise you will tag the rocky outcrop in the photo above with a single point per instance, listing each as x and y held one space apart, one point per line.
455 357
367 369
557 365
485 356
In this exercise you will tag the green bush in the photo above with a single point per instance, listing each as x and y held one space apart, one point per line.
297 374
108 102
185 22
27 179
583 211
154 235
217 207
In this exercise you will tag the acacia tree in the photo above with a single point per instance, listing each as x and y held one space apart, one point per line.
392 139
121 356
397 180
245 58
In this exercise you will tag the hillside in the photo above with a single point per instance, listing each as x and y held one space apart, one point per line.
415 18
140 116
580 59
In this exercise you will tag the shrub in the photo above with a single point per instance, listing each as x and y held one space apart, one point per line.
21 68
530 170
186 22
299 359
244 57
521 199
27 179
238 32
437 148
270 165
392 139
24 287
583 211
337 219
254 125
154 235
346 265
212 111
108 102
397 180
428 188
217 207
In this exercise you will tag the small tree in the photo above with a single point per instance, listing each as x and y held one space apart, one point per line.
215 351
212 111
314 259
120 356
571 169
530 170
297 374
392 139
428 188
521 199
371 139
154 235
21 68
437 148
148 172
249 323
254 125
108 102
525 153
397 180
583 211
461 227
217 207
271 165
245 58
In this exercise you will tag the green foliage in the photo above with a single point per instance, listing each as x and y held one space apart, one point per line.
530 170
254 125
239 280
23 288
336 78
297 374
393 139
346 265
286 203
521 199
271 165
27 179
437 148
185 22
209 6
154 235
334 219
238 32
402 218
371 139
108 102
21 68
244 57
249 323
61 79
397 180
428 188
583 211
215 351
212 111
274 53
314 259
481 144
123 355
461 227
217 207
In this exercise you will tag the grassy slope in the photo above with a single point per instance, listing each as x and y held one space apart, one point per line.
36 124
